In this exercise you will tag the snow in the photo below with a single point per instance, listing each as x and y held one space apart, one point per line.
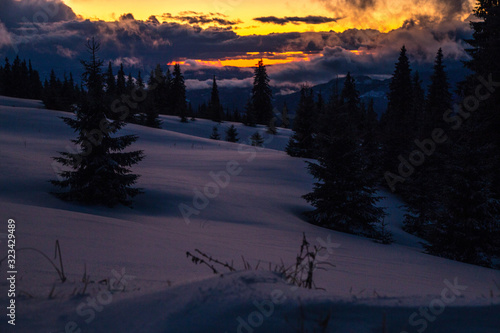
253 210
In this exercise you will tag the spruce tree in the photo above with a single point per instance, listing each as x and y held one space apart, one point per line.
148 111
232 134
371 140
397 124
214 106
73 92
439 98
178 90
167 92
155 101
262 95
35 85
130 83
344 195
7 77
51 92
121 85
16 79
110 82
350 100
301 144
100 172
23 80
257 140
65 94
215 133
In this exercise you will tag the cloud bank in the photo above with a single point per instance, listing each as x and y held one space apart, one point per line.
296 19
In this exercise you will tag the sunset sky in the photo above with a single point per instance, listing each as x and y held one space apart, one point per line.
309 41
338 15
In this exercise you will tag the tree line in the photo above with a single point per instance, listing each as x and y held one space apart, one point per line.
20 80
164 91
441 158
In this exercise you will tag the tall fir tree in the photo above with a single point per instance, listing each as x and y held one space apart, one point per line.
16 79
130 83
370 141
100 172
439 97
397 122
302 144
51 92
257 140
178 90
110 82
351 102
344 196
121 85
155 100
262 95
35 85
168 91
214 105
7 77
232 134
215 133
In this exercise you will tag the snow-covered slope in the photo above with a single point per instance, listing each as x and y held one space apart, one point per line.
245 202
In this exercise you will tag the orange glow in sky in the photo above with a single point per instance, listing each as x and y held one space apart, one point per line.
251 59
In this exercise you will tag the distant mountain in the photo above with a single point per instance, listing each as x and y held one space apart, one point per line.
368 88
236 98
232 98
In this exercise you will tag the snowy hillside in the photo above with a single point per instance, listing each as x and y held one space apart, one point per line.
127 269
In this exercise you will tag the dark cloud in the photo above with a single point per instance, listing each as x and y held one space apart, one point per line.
296 19
453 7
17 13
200 18
128 16
363 4
370 52
153 20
